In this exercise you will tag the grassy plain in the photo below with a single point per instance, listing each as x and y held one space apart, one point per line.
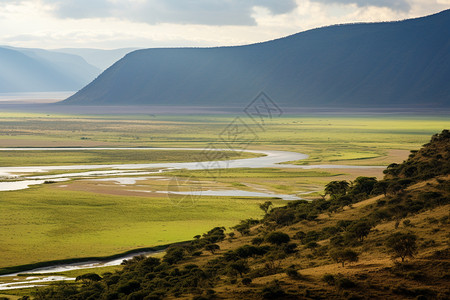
326 138
44 223
49 222
88 157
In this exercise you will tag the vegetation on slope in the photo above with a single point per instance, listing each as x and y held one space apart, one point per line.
336 247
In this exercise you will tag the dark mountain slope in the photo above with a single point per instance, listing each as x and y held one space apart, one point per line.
36 70
400 64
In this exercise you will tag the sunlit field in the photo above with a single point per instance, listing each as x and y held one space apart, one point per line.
79 218
324 138
88 157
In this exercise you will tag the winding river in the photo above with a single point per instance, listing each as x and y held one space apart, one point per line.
19 180
271 159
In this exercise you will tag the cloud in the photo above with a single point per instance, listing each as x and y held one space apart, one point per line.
206 12
397 5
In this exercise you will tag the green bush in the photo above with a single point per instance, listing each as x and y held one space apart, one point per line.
329 279
345 283
273 291
246 281
278 238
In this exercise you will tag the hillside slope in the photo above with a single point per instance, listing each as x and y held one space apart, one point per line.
362 242
394 64
99 58
37 70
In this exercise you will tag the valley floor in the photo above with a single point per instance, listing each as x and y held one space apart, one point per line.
82 218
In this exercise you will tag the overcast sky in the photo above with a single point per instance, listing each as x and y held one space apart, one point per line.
111 24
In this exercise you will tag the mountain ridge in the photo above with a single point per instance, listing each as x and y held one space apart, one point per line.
38 70
402 63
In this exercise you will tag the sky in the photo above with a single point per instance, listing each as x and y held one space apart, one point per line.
110 24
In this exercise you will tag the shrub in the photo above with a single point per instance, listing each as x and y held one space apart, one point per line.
89 277
278 238
129 287
212 248
290 248
345 283
407 223
329 279
217 234
273 291
174 255
293 273
241 267
312 245
246 281
257 241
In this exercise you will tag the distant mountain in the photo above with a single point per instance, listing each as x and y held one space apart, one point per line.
37 70
400 64
99 58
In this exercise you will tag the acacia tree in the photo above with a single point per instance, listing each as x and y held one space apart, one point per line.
240 266
363 185
278 238
402 245
360 229
344 255
381 187
212 248
337 189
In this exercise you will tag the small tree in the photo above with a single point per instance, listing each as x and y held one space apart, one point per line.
381 187
243 229
88 278
344 255
278 238
246 281
402 245
337 189
274 259
266 206
212 248
173 255
257 241
363 185
240 267
360 229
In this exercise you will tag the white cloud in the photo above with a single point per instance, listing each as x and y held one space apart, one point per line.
125 23
397 5
209 12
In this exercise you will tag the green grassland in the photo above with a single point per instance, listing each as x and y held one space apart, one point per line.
283 181
47 223
43 223
324 138
87 157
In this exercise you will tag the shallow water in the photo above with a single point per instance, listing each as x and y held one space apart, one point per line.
30 282
235 193
272 159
